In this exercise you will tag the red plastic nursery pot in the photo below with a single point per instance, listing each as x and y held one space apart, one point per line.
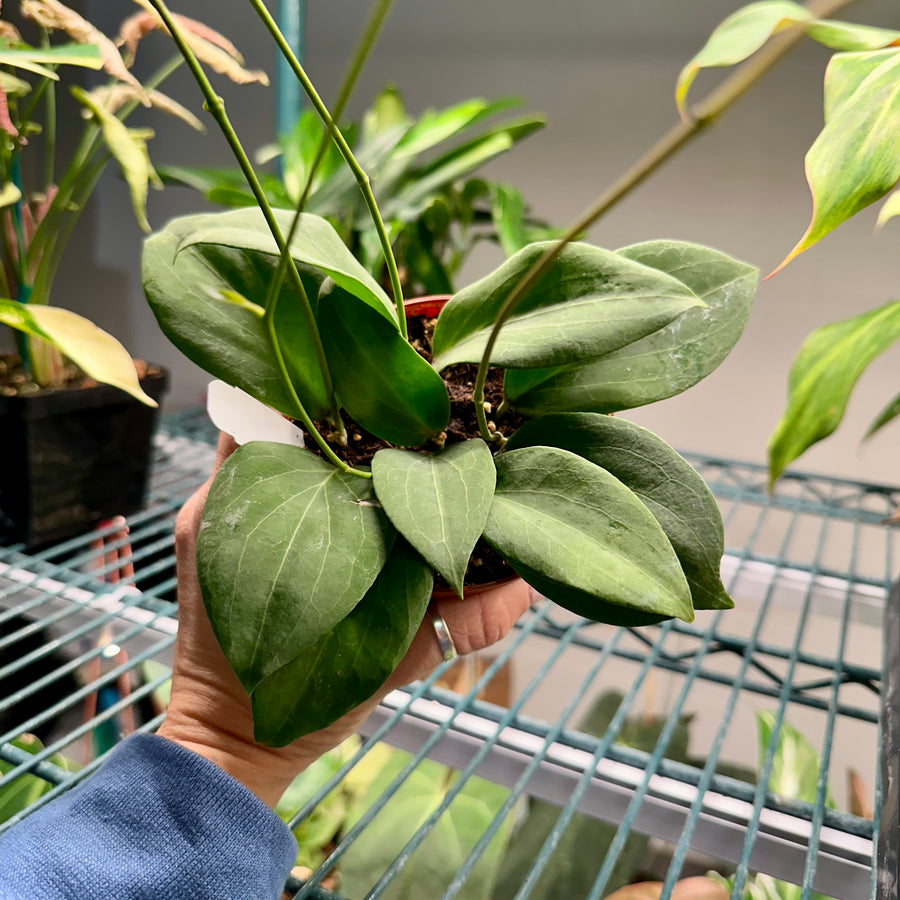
71 457
430 307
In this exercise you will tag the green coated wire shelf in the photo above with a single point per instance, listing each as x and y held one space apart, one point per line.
615 754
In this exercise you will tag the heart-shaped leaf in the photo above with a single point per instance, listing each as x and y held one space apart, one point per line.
853 162
663 363
287 547
99 354
187 292
589 303
438 501
348 663
822 378
380 379
315 245
744 32
664 482
584 535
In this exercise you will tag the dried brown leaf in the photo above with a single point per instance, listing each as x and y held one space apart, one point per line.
223 63
859 796
114 96
138 26
53 15
8 30
134 29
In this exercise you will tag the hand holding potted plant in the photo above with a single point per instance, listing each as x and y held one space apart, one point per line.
41 197
317 564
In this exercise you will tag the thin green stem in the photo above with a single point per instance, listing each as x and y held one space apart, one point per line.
216 107
360 55
362 179
702 115
363 49
49 124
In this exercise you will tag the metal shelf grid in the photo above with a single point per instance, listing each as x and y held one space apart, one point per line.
809 566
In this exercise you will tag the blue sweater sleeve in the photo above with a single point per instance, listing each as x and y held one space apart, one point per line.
154 821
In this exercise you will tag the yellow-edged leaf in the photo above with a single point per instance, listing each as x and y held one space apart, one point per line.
94 351
889 209
747 30
822 377
738 37
854 160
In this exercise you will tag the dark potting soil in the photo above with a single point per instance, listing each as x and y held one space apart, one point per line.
485 564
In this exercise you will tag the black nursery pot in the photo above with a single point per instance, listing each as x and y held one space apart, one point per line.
69 458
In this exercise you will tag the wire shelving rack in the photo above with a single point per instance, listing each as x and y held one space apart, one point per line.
87 628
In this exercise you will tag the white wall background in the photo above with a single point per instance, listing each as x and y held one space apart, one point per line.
604 74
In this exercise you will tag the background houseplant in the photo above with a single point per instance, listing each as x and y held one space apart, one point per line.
333 561
42 193
422 169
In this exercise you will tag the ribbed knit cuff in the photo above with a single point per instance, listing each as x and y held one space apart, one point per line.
154 821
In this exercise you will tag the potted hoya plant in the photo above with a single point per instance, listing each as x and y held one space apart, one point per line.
460 443
77 413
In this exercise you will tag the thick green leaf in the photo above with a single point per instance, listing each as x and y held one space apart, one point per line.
888 414
351 660
566 523
381 381
287 548
664 481
589 303
97 353
853 162
129 147
745 31
437 861
316 245
663 363
186 292
438 501
822 378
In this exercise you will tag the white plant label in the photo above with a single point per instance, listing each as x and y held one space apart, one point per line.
246 419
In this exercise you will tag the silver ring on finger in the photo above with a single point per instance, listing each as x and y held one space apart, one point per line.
445 641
